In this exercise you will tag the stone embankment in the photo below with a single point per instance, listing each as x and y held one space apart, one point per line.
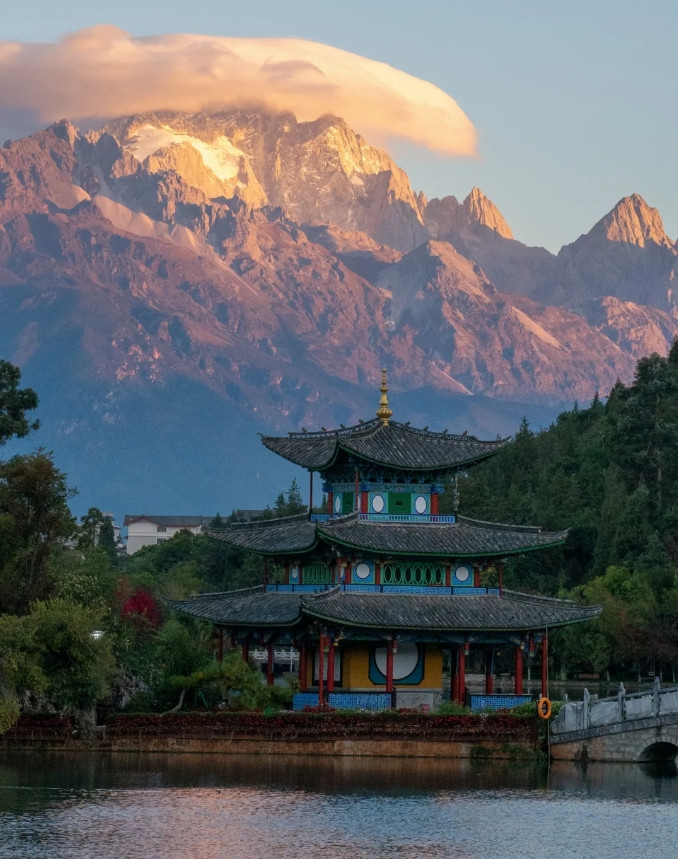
379 735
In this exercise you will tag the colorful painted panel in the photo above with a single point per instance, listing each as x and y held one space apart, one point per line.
317 574
497 702
363 573
359 700
408 664
413 574
462 575
399 502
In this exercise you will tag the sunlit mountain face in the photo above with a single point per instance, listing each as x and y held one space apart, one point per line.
173 283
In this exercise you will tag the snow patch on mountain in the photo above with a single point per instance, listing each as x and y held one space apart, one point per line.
221 157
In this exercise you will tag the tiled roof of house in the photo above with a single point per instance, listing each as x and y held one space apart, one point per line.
393 445
464 538
168 521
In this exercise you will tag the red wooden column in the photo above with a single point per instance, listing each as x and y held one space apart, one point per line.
220 645
461 674
389 668
321 668
245 649
489 678
330 666
518 688
303 667
544 665
434 504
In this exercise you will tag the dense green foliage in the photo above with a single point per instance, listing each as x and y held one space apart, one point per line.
81 625
609 473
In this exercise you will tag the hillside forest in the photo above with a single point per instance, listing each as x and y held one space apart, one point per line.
83 626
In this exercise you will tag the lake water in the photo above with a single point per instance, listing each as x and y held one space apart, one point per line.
80 805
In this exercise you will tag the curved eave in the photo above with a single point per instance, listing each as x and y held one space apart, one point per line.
407 540
292 535
548 611
441 466
261 610
309 465
480 553
353 441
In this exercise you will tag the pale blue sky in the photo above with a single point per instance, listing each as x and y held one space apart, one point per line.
575 104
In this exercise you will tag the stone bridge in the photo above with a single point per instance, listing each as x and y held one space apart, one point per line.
642 726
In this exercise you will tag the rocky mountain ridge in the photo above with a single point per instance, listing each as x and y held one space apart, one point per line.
275 266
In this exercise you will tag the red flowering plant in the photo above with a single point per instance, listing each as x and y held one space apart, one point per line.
138 607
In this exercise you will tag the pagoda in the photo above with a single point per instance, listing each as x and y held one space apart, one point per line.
382 589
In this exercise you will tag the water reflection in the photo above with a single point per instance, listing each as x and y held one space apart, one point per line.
245 807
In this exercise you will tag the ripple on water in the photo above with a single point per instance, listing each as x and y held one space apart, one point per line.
248 809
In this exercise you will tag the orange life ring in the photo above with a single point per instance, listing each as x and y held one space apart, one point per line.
544 708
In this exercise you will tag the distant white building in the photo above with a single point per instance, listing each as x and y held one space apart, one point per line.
146 530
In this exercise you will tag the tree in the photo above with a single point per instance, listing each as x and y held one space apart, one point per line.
76 656
34 520
14 403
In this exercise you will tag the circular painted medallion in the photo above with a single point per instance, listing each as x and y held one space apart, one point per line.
404 660
294 572
363 570
337 504
420 504
378 503
462 574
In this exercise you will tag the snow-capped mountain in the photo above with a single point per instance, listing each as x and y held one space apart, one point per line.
199 276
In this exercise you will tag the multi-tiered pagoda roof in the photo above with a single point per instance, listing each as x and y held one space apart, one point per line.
383 563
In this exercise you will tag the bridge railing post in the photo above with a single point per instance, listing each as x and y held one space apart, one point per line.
655 697
621 702
587 709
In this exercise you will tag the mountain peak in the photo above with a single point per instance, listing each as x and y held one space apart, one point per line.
481 210
633 222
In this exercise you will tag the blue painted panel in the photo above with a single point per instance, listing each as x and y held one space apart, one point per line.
366 589
297 589
363 572
304 699
359 700
415 589
497 702
457 591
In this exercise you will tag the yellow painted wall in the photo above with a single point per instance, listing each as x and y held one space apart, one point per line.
356 663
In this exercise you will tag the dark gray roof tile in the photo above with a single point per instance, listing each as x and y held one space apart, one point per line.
393 445
465 538
473 613
270 536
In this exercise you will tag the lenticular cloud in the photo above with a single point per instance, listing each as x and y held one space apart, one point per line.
103 72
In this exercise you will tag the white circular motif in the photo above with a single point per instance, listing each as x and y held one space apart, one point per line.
337 504
363 570
404 660
294 573
378 503
420 504
462 574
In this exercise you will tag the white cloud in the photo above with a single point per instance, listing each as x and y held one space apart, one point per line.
103 72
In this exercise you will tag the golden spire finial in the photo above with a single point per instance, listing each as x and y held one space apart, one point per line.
383 412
